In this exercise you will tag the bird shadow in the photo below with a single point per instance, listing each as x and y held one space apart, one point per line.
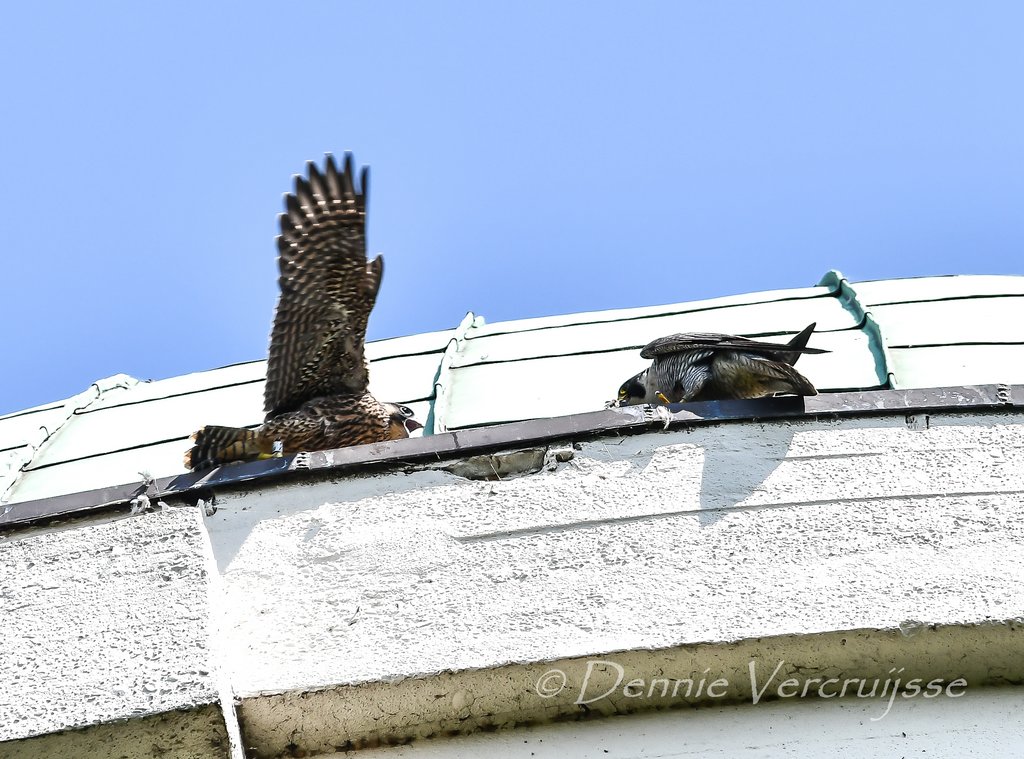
736 461
736 466
737 469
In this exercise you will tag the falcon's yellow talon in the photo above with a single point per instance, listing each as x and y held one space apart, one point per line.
661 397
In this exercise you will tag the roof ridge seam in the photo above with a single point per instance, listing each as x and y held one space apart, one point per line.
71 407
438 414
848 297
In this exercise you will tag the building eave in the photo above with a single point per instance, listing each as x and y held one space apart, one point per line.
470 442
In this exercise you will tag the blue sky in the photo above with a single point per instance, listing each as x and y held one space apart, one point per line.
528 158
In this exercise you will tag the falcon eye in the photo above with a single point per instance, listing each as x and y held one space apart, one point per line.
622 392
405 410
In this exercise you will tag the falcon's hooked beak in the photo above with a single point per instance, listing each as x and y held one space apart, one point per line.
411 425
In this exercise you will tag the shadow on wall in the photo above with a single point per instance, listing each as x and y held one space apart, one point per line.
704 472
737 466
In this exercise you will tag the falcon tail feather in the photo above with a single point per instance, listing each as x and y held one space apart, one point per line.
798 345
220 445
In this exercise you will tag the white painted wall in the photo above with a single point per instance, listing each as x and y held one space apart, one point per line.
107 622
421 603
717 534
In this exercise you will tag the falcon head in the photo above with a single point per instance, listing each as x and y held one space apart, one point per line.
633 391
401 421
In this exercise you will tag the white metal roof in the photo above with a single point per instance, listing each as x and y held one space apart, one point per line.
923 332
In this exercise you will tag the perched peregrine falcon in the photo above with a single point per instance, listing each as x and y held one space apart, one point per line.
316 394
700 366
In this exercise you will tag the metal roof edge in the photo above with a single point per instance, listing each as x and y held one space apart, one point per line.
627 420
844 290
71 406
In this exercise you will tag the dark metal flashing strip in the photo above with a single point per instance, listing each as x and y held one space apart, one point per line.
966 344
41 409
945 298
622 421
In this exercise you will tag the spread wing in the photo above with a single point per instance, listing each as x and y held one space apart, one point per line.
710 341
328 289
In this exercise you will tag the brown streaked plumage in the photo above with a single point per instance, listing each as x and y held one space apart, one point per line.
316 394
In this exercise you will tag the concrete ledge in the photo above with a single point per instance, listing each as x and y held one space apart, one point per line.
952 659
179 734
984 722
106 635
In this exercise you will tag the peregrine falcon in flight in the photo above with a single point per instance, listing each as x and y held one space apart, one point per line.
699 366
316 395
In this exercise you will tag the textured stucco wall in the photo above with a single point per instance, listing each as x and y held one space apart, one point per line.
428 601
717 534
711 535
104 622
